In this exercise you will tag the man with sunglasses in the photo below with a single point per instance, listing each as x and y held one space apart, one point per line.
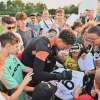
93 36
9 25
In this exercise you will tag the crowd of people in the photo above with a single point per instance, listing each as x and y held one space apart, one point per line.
46 58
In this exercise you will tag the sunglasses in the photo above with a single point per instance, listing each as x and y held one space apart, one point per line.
9 28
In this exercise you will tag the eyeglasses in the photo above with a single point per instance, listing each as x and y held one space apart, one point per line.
9 28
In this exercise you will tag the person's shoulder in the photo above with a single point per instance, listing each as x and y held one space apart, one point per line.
45 39
10 58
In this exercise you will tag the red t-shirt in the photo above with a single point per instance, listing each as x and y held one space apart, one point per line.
84 97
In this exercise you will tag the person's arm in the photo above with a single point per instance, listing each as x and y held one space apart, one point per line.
41 75
19 90
42 53
5 96
28 88
24 68
77 93
21 87
8 81
28 69
38 65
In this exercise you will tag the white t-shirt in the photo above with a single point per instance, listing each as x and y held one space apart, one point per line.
87 63
62 91
46 24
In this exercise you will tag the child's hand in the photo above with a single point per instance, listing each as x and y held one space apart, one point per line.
27 78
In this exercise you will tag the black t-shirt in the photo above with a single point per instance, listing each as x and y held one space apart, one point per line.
40 46
26 36
36 45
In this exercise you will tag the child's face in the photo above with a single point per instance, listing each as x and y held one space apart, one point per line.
60 15
78 29
75 55
33 18
13 49
21 23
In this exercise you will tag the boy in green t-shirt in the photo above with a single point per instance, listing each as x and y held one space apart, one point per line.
12 67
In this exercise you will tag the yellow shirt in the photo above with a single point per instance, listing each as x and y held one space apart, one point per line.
71 63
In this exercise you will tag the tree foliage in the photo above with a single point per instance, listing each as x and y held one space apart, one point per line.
11 7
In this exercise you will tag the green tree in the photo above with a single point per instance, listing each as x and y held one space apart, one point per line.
66 8
19 5
11 7
52 11
29 7
39 7
73 9
2 8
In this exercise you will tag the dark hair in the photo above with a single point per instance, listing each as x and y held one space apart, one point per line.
83 50
8 38
76 24
21 16
52 30
95 29
7 20
67 36
38 14
32 15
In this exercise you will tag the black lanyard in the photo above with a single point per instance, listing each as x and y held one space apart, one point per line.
47 24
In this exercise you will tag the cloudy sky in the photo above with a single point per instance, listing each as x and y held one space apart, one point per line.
54 3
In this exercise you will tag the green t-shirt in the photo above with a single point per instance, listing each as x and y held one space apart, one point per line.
12 74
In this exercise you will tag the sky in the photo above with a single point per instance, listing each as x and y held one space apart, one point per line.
54 3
